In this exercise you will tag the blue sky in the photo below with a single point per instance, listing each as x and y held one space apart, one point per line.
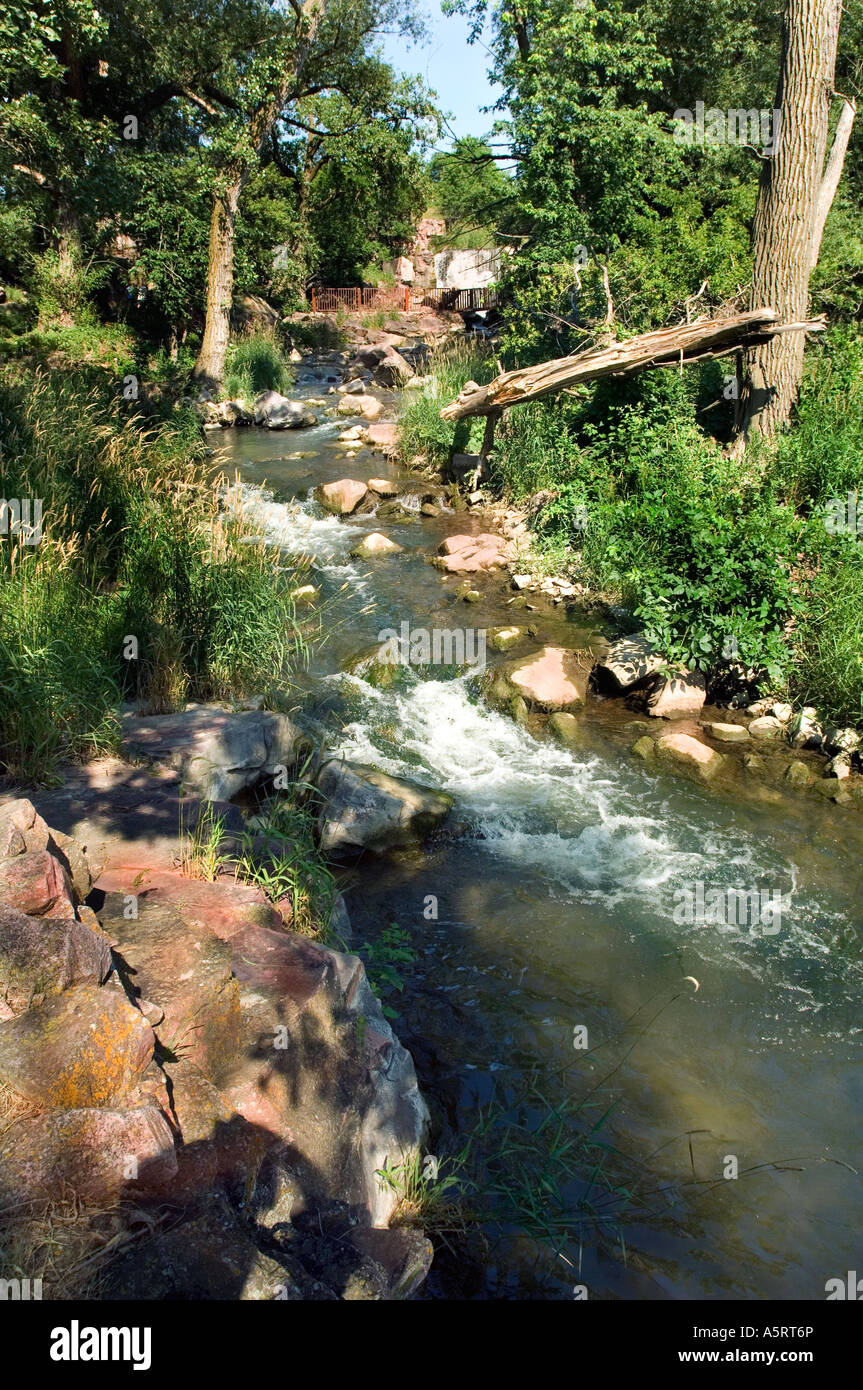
455 71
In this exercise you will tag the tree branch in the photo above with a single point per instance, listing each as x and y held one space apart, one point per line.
832 174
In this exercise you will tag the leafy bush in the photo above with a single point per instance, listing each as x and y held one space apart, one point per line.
829 645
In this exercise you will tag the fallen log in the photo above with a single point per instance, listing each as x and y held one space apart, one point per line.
665 347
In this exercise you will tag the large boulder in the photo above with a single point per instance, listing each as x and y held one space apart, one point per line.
278 413
382 435
367 406
341 497
689 755
365 809
552 679
628 663
323 1070
218 753
37 883
40 957
393 370
87 1047
680 696
464 554
21 829
376 544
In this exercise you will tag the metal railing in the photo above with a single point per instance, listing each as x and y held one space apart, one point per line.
401 299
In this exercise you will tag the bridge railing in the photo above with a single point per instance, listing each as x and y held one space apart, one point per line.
401 299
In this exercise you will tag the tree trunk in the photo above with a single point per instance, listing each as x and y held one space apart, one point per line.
785 217
210 366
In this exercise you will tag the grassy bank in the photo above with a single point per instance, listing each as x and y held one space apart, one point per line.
140 587
718 560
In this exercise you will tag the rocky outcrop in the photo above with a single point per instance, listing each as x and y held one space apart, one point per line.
43 957
85 1047
191 1055
100 1153
216 752
366 810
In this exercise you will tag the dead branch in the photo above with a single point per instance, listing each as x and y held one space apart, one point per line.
672 346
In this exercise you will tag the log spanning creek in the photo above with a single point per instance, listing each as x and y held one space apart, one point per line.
686 1090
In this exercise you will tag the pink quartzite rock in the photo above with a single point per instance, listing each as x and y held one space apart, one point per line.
341 497
43 956
222 908
37 883
100 1153
383 435
679 697
173 961
21 829
87 1047
689 754
469 554
288 965
551 680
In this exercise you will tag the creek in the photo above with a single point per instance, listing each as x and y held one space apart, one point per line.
555 901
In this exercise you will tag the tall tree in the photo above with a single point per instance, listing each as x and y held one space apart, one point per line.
271 85
317 46
794 198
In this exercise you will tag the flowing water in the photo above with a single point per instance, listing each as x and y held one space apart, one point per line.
557 909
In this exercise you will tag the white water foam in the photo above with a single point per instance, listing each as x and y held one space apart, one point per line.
593 831
302 528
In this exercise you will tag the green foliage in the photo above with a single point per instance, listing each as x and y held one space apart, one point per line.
62 287
822 456
472 192
133 544
255 364
829 645
713 560
290 869
421 430
383 956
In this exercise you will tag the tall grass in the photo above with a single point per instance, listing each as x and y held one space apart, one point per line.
140 587
421 430
255 364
